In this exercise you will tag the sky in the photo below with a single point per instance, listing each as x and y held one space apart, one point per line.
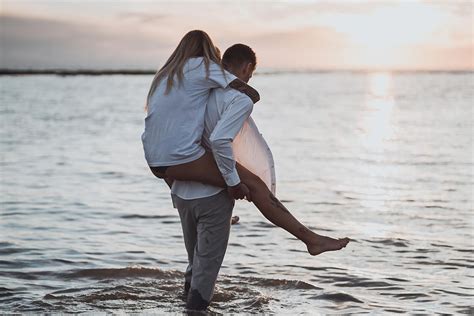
297 34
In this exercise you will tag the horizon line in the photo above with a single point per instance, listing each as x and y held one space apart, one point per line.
269 71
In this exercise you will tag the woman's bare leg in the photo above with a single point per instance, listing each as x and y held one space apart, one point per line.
202 170
279 215
205 170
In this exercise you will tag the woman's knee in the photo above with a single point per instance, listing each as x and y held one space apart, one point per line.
158 172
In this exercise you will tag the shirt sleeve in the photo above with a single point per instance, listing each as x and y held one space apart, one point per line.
217 78
221 138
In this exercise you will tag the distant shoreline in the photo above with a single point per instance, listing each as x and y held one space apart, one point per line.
78 72
107 72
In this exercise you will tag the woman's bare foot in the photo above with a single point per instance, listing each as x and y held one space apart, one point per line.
322 244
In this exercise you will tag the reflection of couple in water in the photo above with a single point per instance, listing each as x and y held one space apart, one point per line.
196 107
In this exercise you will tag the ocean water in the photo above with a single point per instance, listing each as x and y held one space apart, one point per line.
383 158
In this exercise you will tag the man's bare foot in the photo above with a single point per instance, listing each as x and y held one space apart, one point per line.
234 220
323 244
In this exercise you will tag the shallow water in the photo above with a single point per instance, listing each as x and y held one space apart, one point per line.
386 159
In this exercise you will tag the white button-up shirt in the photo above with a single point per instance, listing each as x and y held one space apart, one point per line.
175 121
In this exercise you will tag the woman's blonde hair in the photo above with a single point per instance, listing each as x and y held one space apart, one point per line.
194 44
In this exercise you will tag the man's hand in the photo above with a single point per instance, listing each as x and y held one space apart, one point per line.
240 191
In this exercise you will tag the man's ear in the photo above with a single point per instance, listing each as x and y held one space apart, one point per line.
249 68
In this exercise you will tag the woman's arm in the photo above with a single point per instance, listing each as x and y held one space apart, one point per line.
217 77
241 86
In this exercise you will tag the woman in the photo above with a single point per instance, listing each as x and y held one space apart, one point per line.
174 125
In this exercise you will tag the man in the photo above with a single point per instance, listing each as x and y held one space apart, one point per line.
205 211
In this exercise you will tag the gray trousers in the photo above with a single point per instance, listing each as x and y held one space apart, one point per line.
206 227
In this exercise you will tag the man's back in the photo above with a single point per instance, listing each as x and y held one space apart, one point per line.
226 111
219 102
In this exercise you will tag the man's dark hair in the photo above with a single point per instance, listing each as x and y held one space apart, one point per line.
237 55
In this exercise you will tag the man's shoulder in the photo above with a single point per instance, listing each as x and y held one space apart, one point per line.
222 99
231 95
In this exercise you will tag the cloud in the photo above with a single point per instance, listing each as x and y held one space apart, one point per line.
310 47
459 57
457 8
143 17
29 42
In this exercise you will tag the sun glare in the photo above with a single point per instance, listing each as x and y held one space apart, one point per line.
380 85
401 24
381 35
378 111
376 121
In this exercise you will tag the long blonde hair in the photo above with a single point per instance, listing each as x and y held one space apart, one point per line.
195 43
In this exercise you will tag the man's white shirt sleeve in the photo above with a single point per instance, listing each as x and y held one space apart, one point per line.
224 133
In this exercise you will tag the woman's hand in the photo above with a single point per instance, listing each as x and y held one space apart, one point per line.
239 192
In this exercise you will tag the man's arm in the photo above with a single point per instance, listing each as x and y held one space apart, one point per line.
221 138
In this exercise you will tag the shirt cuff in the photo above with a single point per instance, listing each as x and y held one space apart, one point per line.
232 178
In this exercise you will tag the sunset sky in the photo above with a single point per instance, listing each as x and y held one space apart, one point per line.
295 34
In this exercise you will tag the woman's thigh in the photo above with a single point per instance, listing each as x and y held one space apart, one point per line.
205 170
202 170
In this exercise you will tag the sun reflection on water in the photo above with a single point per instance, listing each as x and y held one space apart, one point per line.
378 108
377 128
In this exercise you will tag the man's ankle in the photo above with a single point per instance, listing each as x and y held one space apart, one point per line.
187 286
195 301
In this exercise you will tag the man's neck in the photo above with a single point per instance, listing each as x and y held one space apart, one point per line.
232 71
